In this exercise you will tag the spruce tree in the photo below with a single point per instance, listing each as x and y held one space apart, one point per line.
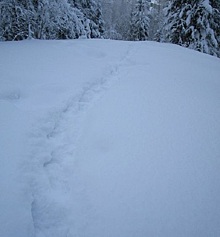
194 24
50 19
13 21
139 25
157 18
93 22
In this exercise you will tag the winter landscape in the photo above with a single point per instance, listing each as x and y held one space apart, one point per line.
109 137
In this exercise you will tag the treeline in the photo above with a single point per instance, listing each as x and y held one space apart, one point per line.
190 23
193 24
50 19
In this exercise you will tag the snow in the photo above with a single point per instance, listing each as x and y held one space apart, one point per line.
108 138
15 215
207 6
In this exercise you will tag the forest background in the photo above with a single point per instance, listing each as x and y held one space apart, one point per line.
193 24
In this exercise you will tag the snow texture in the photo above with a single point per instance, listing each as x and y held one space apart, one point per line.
108 138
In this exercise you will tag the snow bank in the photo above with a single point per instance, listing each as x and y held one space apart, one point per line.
108 138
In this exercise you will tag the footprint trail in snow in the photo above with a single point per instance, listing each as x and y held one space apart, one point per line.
104 138
60 205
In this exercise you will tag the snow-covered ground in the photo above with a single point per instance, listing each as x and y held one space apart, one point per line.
103 138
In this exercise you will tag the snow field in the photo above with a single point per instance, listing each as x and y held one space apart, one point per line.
57 151
109 138
152 145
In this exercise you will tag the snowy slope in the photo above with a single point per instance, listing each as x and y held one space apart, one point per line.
105 138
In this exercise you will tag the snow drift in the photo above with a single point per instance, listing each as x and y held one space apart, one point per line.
108 138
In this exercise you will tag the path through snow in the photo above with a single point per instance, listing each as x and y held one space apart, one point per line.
123 140
60 206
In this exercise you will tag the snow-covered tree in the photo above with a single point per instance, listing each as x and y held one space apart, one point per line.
67 21
157 18
116 14
50 19
194 24
139 28
109 18
94 24
13 21
57 19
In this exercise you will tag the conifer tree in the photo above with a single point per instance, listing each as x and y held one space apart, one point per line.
157 17
116 14
13 22
194 24
139 26
94 24
50 19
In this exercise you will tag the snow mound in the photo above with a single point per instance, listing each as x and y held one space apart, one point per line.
108 138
